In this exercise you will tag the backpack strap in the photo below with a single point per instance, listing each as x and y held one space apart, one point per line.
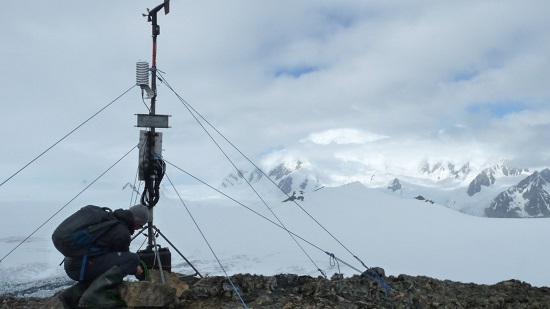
83 267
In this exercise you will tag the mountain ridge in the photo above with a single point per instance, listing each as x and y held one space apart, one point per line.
456 186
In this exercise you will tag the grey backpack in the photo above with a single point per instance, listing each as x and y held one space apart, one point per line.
76 235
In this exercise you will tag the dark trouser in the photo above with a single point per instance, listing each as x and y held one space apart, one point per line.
97 265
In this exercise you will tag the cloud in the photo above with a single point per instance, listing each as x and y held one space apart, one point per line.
435 77
343 136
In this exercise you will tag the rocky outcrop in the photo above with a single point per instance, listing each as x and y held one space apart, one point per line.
395 185
293 291
153 293
421 198
294 197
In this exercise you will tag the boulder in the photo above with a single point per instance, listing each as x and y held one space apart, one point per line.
153 293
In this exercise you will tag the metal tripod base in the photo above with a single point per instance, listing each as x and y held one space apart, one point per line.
155 248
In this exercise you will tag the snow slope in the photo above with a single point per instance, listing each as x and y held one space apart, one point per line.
398 234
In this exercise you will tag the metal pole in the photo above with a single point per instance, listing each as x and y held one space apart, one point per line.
155 30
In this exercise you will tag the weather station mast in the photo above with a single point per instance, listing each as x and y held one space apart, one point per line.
151 166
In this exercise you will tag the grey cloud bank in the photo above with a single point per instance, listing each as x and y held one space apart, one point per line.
465 80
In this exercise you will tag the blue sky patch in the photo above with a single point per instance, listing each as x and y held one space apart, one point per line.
269 150
498 110
296 71
340 17
464 76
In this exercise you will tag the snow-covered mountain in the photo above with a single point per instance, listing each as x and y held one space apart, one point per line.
489 193
446 170
489 175
476 190
529 198
291 177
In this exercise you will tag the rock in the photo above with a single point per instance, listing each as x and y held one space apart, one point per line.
153 293
147 294
172 279
295 291
395 185
379 271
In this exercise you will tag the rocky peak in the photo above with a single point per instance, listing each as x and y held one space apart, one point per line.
507 170
240 176
289 176
487 177
536 180
292 176
394 185
529 198
443 170
283 169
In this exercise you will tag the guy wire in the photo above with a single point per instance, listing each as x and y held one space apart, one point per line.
71 132
207 242
189 108
249 184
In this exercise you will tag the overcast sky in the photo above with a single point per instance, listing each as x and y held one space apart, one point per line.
409 80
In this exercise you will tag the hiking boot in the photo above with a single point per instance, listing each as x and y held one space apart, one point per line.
95 296
71 296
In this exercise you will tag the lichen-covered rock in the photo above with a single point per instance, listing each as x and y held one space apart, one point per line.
171 279
147 294
293 291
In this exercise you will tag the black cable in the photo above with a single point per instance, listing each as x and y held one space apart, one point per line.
71 132
57 212
153 174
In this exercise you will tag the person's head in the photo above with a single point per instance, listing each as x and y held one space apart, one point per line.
141 214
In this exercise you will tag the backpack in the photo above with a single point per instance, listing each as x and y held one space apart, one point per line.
77 234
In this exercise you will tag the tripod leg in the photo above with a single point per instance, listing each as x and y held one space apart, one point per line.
174 247
139 233
158 259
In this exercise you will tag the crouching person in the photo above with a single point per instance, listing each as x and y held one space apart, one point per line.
96 274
